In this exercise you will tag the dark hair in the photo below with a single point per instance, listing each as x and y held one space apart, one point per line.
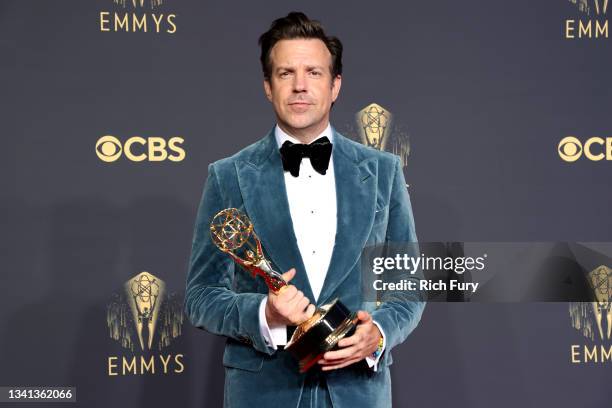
298 25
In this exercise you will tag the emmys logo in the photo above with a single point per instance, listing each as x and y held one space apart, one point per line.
143 318
376 129
570 149
137 19
588 27
374 124
137 149
594 320
138 3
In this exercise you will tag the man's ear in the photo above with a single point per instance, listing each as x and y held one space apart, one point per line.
336 84
268 89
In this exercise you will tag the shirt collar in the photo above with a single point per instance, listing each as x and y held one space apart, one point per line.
281 136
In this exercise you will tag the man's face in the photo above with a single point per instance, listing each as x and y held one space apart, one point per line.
301 88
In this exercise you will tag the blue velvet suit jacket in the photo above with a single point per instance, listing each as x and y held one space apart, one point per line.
373 207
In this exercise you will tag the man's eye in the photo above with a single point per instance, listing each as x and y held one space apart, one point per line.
315 73
284 74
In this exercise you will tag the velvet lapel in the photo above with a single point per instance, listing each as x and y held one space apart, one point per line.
356 201
262 185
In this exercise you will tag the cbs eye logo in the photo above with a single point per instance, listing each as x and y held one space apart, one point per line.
137 149
571 149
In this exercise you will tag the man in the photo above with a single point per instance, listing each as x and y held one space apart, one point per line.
316 199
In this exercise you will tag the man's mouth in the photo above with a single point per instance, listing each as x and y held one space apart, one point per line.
299 106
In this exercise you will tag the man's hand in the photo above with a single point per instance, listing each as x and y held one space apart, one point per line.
356 347
289 306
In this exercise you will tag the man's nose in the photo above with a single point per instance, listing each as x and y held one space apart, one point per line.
299 82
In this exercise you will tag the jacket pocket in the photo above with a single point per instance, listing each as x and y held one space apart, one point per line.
243 357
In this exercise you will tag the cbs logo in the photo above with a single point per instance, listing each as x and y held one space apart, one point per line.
595 149
137 149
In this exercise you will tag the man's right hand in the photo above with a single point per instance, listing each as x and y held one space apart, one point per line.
289 306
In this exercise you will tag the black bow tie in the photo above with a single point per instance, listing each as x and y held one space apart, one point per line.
318 151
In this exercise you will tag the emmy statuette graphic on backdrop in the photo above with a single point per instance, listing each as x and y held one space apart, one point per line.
232 232
595 317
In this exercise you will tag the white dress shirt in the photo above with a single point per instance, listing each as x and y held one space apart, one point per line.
312 205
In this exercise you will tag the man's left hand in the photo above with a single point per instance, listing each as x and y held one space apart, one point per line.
356 347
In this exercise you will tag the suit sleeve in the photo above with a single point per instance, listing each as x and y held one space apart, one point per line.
210 303
399 312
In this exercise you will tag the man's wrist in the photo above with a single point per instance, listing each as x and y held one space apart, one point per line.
374 358
379 349
270 316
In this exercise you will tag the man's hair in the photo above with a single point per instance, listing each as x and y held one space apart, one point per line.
298 25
